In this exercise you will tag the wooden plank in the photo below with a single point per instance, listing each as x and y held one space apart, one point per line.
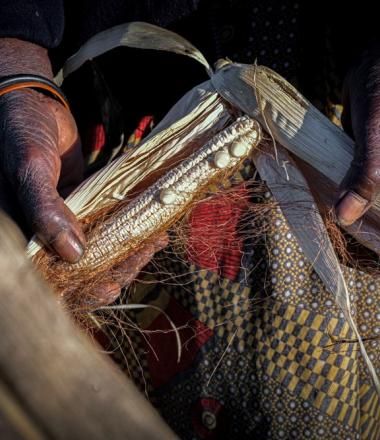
68 389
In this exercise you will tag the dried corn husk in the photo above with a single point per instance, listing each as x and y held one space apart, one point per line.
136 34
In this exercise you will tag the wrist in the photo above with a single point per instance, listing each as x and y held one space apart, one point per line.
21 57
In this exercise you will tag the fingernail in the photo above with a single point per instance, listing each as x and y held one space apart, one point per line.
80 238
68 247
351 208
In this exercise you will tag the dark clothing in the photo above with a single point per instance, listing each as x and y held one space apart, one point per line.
37 21
43 21
306 42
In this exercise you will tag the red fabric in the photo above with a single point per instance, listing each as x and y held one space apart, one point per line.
144 127
214 242
193 336
96 138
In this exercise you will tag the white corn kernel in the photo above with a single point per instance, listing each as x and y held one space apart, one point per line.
238 149
167 196
222 159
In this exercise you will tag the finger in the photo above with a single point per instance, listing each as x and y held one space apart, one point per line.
102 295
361 185
160 242
127 271
107 293
46 212
351 207
124 274
362 189
30 160
359 192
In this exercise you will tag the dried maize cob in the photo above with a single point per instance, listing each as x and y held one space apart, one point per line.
168 197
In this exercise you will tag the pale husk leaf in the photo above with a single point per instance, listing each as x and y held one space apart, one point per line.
138 35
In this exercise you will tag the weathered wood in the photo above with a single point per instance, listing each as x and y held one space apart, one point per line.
56 383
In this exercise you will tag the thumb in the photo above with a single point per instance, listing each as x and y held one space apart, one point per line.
46 212
363 181
361 119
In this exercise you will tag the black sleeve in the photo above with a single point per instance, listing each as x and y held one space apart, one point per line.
37 21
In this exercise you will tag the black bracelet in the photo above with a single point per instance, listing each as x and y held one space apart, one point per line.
23 81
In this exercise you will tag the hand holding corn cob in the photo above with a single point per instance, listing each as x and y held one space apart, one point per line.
39 150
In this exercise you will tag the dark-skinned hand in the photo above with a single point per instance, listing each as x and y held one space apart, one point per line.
361 119
39 153
41 162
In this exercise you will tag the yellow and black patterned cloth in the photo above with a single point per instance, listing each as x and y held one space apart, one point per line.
265 355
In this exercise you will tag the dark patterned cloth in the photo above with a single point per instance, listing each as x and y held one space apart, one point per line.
267 355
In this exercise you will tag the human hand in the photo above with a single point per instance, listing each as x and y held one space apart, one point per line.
106 293
40 154
361 119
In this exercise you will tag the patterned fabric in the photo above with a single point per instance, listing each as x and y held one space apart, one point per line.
264 356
